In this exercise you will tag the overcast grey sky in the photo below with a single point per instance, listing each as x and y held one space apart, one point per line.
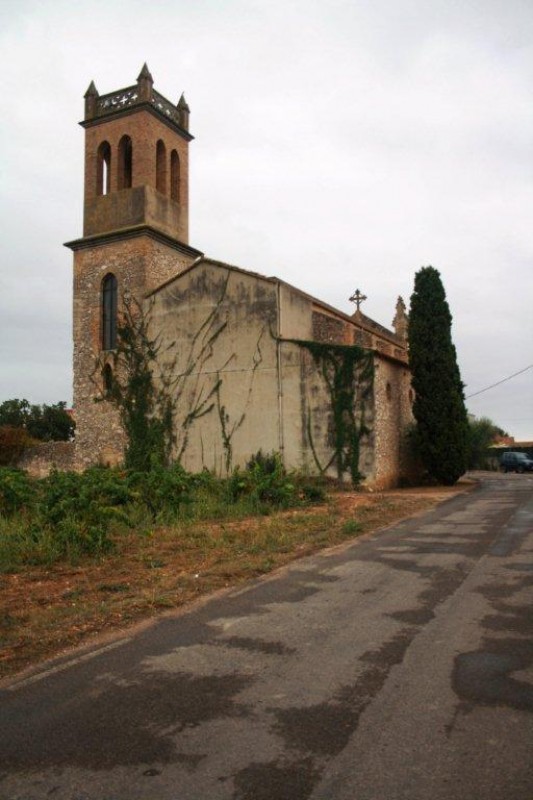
338 145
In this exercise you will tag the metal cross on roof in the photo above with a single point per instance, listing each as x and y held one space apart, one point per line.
358 298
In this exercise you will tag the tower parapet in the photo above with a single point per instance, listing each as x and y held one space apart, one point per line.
139 94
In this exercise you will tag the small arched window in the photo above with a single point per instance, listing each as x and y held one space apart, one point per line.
388 391
108 380
125 163
109 312
174 176
103 168
161 167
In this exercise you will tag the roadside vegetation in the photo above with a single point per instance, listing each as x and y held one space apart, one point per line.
81 554
69 516
482 433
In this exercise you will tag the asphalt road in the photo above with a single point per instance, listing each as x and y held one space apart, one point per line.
396 668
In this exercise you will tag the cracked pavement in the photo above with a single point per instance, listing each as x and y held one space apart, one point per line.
398 667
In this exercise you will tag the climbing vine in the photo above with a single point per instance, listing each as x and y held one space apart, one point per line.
161 390
227 427
348 372
146 409
159 403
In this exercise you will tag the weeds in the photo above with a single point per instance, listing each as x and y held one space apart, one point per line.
162 491
198 553
17 491
352 526
266 484
70 516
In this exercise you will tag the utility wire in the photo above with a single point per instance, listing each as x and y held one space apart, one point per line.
486 389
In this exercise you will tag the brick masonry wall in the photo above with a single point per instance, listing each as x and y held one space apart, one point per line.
145 130
40 459
362 338
331 330
140 264
393 415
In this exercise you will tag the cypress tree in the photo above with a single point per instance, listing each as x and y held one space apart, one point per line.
439 408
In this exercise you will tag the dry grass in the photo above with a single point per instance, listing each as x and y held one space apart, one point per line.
44 611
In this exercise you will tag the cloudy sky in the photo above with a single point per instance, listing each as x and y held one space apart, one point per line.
339 145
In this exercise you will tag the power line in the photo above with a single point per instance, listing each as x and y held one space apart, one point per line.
486 389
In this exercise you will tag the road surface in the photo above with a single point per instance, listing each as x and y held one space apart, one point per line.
399 667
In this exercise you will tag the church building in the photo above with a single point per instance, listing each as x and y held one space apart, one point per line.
249 362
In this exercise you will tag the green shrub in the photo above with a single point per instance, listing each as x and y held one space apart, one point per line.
71 515
77 494
75 536
263 481
273 487
263 463
81 507
352 526
162 491
312 492
17 491
237 485
17 543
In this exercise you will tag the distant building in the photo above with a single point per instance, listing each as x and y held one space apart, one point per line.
503 441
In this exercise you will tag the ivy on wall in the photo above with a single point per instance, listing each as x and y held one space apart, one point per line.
201 392
189 388
146 410
160 403
348 373
227 427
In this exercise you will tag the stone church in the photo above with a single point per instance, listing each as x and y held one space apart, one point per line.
250 362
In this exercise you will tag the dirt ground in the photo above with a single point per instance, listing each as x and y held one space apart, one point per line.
44 611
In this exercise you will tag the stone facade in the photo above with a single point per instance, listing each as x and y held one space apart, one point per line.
232 345
135 229
138 262
256 385
39 459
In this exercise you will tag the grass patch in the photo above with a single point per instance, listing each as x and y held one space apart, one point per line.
209 544
352 526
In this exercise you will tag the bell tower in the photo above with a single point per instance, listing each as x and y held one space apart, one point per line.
136 160
135 237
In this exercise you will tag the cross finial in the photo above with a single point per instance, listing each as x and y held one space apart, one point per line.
358 298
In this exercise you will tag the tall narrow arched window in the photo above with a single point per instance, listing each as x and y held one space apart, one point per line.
109 312
103 168
125 163
161 167
175 176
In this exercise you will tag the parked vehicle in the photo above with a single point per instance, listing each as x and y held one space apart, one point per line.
516 462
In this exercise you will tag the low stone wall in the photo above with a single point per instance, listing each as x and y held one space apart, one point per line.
39 460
